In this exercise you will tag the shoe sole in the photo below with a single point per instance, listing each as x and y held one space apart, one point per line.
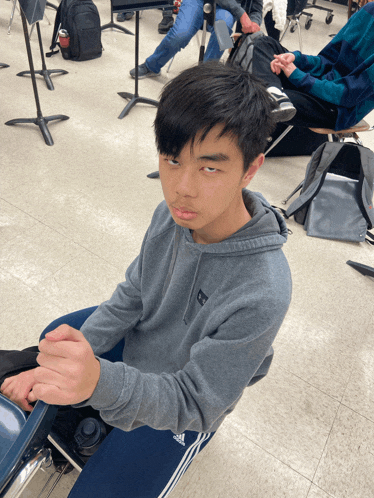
281 115
148 75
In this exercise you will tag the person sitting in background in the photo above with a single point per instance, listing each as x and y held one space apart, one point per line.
333 89
189 20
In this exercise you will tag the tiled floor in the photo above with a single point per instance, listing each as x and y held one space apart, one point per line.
73 216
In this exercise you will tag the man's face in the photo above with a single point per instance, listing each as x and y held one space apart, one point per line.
203 186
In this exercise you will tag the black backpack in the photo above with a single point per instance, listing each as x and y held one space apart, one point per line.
80 18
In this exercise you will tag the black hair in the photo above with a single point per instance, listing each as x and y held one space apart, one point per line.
210 94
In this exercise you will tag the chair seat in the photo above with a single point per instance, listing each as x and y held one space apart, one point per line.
361 126
12 420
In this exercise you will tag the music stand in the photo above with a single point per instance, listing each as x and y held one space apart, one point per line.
137 5
44 71
34 10
363 269
3 65
112 24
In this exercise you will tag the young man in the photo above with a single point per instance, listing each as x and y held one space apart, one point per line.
188 22
201 304
333 89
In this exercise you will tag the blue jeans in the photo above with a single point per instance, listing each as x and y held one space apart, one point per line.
142 463
188 22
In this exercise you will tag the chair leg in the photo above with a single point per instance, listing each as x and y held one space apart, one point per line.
285 31
282 135
299 31
299 187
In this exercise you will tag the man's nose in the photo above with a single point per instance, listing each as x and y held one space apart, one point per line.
187 184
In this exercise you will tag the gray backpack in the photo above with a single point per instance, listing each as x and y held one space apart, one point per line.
242 53
336 199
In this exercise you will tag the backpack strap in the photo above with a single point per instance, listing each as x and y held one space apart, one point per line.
367 184
56 28
316 171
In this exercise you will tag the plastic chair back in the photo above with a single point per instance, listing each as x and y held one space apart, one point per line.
20 437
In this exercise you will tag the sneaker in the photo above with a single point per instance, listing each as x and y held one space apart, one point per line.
125 16
166 23
285 110
143 72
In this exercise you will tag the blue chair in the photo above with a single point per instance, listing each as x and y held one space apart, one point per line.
22 440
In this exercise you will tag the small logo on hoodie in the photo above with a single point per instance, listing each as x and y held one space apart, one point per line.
201 297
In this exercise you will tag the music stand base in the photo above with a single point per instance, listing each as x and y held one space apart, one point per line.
363 269
42 123
116 26
46 75
134 99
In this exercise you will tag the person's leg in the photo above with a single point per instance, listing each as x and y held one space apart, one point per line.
270 26
167 21
188 21
143 463
311 112
213 51
263 53
75 320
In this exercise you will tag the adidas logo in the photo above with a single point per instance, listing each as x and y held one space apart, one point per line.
180 439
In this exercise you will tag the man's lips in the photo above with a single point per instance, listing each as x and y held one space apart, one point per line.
183 213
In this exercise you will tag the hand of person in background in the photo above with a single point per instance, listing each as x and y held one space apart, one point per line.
283 62
248 26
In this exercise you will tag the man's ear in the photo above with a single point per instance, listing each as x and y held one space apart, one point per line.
254 167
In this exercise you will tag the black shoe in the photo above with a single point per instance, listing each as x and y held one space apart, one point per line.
143 72
166 23
125 16
285 110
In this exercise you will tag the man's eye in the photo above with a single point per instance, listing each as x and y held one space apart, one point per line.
172 162
210 170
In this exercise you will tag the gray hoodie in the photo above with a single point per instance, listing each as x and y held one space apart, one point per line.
198 322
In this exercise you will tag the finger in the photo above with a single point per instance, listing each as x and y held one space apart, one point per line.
64 333
50 394
47 376
63 349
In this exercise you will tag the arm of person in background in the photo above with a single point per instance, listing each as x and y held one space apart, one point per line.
240 15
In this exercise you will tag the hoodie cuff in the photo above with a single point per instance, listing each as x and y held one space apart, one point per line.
106 392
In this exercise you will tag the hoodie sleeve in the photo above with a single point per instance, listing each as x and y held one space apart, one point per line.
113 318
233 7
209 385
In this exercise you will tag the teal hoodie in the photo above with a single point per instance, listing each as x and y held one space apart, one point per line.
198 322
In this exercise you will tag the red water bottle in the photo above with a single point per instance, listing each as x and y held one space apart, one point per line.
64 40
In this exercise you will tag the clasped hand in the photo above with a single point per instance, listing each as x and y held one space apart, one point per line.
68 372
283 62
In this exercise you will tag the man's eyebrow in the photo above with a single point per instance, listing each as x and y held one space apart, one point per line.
219 157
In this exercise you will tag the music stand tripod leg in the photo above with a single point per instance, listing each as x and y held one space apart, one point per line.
3 65
112 24
134 97
39 120
44 71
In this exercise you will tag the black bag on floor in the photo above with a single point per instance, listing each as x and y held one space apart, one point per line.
81 20
336 199
69 423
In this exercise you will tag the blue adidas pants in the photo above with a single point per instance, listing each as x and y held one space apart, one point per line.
143 463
